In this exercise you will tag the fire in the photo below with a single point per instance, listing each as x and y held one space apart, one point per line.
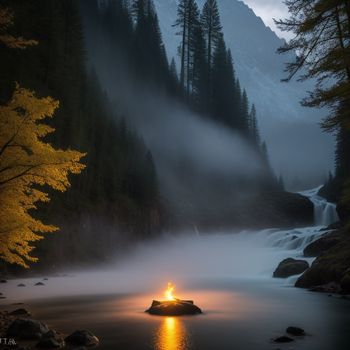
169 292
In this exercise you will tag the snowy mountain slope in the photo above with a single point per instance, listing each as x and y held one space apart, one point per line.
296 144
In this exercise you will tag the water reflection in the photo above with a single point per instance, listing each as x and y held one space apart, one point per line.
172 335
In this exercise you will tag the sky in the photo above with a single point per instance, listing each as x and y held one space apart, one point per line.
269 9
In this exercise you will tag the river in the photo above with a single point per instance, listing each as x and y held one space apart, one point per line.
227 274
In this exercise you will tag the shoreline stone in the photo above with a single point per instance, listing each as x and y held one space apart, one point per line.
176 307
290 267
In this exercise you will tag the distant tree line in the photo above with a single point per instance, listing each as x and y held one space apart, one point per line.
205 80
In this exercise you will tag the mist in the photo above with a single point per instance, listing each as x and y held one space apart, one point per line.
194 156
293 134
188 260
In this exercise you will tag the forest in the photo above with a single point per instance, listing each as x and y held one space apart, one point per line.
120 188
123 169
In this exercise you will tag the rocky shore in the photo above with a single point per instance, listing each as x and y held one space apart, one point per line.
330 272
18 330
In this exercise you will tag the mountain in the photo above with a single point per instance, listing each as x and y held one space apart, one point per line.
292 132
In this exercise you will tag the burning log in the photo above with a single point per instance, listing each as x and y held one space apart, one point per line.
173 306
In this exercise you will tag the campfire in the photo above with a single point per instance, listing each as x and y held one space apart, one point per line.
173 306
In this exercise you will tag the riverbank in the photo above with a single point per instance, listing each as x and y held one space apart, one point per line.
330 272
241 313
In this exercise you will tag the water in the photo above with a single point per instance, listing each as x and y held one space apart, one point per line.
228 275
325 212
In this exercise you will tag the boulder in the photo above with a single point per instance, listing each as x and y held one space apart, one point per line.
40 284
26 329
20 312
173 308
3 281
330 272
321 245
290 267
296 331
82 338
50 340
21 285
283 339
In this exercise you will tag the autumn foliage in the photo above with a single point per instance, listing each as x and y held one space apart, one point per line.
6 21
27 163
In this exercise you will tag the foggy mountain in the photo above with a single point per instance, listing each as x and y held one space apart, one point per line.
292 132
208 173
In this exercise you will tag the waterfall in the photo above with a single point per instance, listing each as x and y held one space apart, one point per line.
295 240
325 213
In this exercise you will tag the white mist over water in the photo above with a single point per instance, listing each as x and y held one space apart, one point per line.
188 259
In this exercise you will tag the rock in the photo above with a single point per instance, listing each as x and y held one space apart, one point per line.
322 244
50 340
281 209
330 271
331 287
39 284
173 308
26 329
45 279
296 331
82 338
20 312
3 281
283 339
21 285
2 297
290 267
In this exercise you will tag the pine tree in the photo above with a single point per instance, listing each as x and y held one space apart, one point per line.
210 20
244 113
281 183
321 31
253 127
200 93
148 50
322 40
187 20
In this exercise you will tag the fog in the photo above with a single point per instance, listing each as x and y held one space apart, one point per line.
193 155
174 133
186 260
298 148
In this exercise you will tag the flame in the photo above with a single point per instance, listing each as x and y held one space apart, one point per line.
169 292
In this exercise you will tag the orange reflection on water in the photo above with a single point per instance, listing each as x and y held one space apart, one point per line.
172 335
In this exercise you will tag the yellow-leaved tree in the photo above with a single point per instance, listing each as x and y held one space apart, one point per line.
27 163
6 21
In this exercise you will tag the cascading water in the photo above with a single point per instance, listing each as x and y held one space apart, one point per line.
325 212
